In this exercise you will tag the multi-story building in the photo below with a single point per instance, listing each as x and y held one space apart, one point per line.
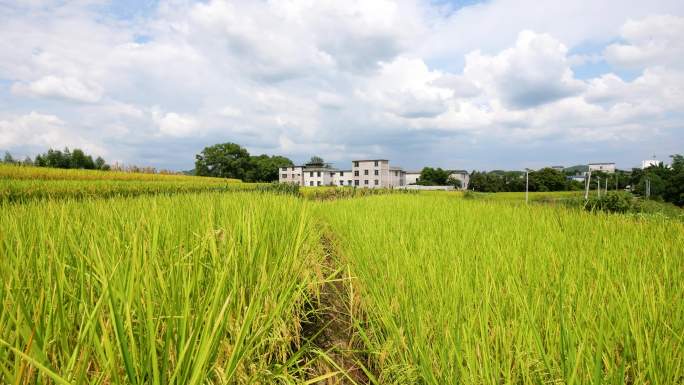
372 173
366 173
461 175
343 178
309 175
605 167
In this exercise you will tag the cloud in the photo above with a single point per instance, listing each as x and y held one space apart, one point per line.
657 86
406 87
68 88
174 124
409 79
533 72
652 41
37 132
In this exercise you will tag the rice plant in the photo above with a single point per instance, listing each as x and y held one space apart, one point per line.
8 171
480 292
183 289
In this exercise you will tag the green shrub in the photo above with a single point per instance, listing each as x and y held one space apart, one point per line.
613 202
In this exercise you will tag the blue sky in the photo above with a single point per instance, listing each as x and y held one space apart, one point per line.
500 84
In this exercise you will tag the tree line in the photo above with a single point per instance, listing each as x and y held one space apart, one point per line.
437 177
546 179
75 158
666 182
230 160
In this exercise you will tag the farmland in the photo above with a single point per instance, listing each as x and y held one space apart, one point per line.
146 290
459 291
195 280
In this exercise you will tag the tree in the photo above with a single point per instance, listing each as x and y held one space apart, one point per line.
433 177
451 181
675 191
264 168
27 161
8 158
547 179
225 160
100 164
497 181
68 159
80 160
230 160
316 161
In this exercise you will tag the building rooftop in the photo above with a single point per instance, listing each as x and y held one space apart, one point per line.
329 169
597 163
370 160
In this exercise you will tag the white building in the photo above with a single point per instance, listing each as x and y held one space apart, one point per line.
412 177
310 175
604 167
461 175
377 173
649 162
366 173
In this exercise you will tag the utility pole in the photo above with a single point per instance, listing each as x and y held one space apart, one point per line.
606 190
587 181
527 184
598 187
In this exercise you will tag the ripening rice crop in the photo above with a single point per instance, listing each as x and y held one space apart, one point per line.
477 292
183 289
22 190
33 173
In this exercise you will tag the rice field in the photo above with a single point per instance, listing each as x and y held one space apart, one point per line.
8 171
458 291
186 289
116 281
23 184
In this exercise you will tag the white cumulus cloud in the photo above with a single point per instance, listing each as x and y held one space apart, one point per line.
652 41
60 87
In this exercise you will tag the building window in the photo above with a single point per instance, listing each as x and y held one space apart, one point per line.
318 174
356 173
341 173
377 182
310 173
365 172
293 168
365 181
396 173
332 174
284 175
341 183
349 182
356 182
376 163
318 183
310 183
377 172
356 164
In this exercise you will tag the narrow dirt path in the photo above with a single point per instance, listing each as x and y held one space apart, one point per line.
331 328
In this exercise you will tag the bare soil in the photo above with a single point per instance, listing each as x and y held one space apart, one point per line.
330 328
